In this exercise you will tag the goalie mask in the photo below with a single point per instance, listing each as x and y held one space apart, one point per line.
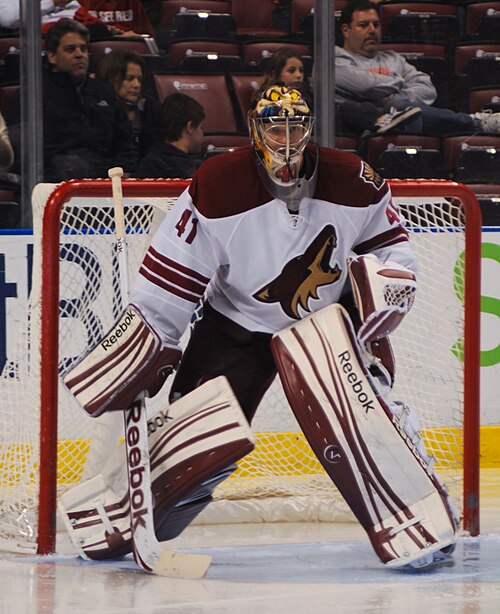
280 128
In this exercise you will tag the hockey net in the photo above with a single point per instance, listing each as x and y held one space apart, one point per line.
48 445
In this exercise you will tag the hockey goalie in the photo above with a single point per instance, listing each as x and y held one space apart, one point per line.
305 268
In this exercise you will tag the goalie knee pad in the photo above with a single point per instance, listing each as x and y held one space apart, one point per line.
372 453
126 363
193 446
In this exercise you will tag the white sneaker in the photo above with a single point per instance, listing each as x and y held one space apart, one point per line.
396 118
490 122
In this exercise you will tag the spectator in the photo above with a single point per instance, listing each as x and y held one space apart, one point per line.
363 73
123 71
177 156
6 152
127 16
286 66
82 121
52 11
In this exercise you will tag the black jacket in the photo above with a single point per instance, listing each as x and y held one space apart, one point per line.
163 160
75 117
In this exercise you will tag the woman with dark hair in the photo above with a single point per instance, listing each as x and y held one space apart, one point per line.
123 71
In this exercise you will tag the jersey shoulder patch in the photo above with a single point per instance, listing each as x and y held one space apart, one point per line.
346 179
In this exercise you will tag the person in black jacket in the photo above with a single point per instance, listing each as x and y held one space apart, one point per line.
83 125
124 71
178 155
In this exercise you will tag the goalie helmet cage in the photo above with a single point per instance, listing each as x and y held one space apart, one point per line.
446 223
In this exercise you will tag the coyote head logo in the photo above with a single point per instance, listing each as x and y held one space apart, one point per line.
301 277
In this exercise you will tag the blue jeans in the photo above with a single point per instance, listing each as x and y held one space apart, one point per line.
442 121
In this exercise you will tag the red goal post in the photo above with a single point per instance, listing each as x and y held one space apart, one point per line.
430 197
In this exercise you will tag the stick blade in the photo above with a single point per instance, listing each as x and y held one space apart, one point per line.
181 565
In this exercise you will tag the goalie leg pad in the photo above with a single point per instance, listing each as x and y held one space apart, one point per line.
360 442
192 445
128 361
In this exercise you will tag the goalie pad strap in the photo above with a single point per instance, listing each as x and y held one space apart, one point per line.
200 436
127 362
367 454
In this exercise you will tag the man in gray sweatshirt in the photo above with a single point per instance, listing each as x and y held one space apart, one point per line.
363 74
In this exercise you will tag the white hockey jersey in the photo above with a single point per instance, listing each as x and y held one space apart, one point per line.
228 239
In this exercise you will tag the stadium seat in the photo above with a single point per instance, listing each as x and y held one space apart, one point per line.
210 91
218 143
245 87
476 65
482 20
403 156
472 158
202 24
257 53
470 56
488 196
302 20
255 19
348 143
482 98
141 45
432 60
6 94
170 8
425 22
203 62
178 50
9 44
10 213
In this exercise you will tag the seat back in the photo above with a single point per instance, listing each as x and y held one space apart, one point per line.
98 49
403 156
465 52
257 53
475 12
255 19
9 44
170 8
6 94
209 90
484 98
178 50
200 24
245 86
472 157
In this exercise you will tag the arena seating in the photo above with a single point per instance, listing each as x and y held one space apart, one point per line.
401 156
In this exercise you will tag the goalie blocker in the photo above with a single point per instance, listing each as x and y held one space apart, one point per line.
129 361
372 452
193 446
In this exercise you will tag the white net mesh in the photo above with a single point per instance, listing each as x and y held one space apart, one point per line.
281 479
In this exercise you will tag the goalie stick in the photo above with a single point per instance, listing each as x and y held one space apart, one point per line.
149 554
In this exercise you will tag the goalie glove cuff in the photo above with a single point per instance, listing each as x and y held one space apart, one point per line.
384 294
127 362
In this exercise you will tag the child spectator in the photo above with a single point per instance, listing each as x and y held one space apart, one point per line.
177 156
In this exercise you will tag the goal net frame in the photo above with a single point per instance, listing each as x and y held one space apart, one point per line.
49 375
